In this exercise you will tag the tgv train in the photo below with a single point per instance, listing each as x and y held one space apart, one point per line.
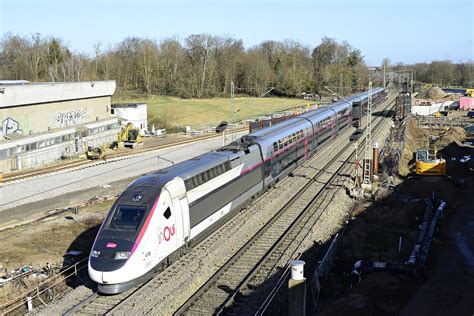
162 214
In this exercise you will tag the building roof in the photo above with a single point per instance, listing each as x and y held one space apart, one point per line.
18 94
27 139
21 139
127 105
13 82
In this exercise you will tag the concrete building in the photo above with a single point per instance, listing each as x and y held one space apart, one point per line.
42 122
135 113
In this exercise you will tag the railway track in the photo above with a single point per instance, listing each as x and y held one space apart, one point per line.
231 289
81 164
94 303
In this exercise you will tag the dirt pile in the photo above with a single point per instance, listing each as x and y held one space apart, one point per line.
449 145
414 138
434 93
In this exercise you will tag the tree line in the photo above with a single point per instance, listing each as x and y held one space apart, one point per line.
204 65
443 73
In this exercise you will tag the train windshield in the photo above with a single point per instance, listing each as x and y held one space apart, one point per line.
127 218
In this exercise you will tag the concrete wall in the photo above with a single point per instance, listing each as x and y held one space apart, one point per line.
39 117
430 109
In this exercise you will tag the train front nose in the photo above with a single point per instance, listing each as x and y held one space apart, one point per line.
108 256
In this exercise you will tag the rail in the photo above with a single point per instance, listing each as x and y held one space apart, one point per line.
315 280
16 304
80 164
230 299
254 239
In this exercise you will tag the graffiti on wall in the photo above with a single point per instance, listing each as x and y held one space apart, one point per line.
10 126
70 118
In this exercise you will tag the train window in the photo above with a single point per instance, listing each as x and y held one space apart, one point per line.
188 184
195 182
204 177
275 146
167 213
199 179
127 218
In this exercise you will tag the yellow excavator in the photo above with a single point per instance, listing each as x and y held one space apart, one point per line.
129 136
94 153
427 163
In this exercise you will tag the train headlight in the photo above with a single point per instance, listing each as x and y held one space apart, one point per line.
95 253
122 255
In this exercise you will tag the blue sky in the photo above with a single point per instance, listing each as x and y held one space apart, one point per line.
402 30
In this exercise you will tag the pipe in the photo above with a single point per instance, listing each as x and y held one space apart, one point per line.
375 161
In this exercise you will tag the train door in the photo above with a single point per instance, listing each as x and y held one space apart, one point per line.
167 225
181 209
184 211
313 138
333 126
306 149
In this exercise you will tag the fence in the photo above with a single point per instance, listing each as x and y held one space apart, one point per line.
323 270
43 292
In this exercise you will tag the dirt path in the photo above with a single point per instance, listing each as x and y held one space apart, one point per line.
450 287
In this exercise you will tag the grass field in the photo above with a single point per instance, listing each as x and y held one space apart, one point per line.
168 112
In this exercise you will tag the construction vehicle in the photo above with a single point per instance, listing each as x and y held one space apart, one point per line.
441 113
129 136
94 153
427 163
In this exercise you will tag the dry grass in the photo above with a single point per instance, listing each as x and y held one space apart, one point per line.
173 111
47 241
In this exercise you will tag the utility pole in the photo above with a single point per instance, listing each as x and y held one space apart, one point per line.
384 74
357 177
341 84
232 107
367 173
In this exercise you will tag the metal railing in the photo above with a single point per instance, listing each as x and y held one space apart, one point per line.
33 298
